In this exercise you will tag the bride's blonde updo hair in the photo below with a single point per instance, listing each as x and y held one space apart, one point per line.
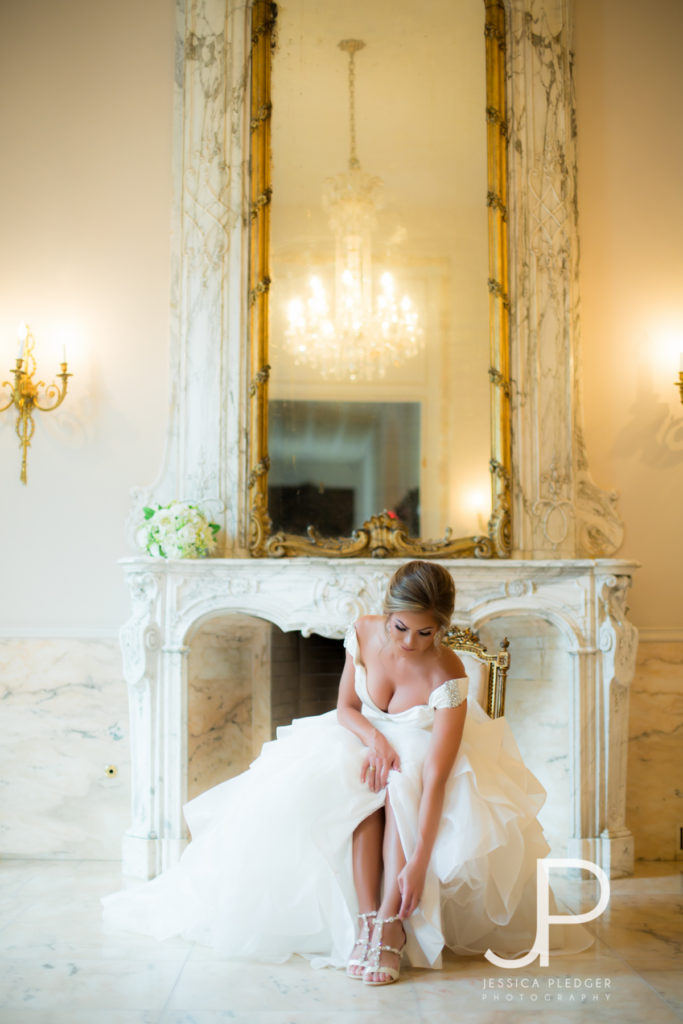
422 587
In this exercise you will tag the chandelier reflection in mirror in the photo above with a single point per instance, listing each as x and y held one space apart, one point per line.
355 338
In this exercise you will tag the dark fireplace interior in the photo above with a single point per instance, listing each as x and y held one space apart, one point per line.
305 673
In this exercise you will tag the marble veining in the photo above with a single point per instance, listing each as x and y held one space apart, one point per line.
557 506
537 706
225 733
654 803
64 720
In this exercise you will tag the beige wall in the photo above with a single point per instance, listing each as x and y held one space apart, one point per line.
630 148
86 103
629 88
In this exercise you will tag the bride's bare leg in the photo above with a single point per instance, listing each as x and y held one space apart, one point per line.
367 874
394 862
367 860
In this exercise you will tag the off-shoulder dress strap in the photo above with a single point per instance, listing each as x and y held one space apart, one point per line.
450 694
351 641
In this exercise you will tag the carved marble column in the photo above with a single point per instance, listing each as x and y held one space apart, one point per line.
618 642
171 791
141 649
204 448
599 726
558 511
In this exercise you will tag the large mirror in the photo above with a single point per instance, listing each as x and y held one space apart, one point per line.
379 399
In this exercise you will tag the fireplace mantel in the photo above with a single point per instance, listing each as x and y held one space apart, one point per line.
584 599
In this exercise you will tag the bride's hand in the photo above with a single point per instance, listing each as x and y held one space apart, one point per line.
411 881
378 761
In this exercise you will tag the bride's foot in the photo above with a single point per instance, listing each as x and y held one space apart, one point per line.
384 959
359 954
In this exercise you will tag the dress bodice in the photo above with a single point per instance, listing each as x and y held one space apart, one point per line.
449 695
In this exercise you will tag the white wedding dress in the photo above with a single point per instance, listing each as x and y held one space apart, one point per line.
268 872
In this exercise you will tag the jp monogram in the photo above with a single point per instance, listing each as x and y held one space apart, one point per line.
543 916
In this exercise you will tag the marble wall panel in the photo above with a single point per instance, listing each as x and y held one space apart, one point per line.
222 680
64 720
654 787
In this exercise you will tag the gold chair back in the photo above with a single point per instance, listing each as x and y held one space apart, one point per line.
494 666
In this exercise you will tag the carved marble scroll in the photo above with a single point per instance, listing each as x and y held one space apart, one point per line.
557 509
205 445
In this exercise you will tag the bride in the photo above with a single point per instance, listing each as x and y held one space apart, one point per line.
407 809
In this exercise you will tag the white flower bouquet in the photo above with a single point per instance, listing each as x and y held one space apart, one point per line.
177 530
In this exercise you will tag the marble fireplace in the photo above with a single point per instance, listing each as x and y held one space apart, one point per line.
585 600
565 529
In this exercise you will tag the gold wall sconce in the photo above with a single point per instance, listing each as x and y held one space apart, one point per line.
25 392
679 382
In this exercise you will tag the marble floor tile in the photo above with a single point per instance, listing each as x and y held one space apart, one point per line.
59 966
69 985
293 1016
72 1016
249 988
58 892
662 878
667 983
636 926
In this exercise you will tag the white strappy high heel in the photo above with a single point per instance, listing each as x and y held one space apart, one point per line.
363 941
372 965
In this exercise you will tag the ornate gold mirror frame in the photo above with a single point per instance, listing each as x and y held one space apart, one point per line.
381 536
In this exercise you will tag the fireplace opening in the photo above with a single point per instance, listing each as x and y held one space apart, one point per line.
246 678
305 673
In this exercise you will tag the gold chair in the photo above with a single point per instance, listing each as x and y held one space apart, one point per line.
486 672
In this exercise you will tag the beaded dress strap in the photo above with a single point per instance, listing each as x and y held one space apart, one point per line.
450 694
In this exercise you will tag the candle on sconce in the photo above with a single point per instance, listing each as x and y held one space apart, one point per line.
22 332
680 362
28 395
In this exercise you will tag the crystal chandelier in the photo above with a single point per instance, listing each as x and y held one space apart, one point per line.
357 337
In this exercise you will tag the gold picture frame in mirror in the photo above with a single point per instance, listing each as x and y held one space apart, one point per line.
383 533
